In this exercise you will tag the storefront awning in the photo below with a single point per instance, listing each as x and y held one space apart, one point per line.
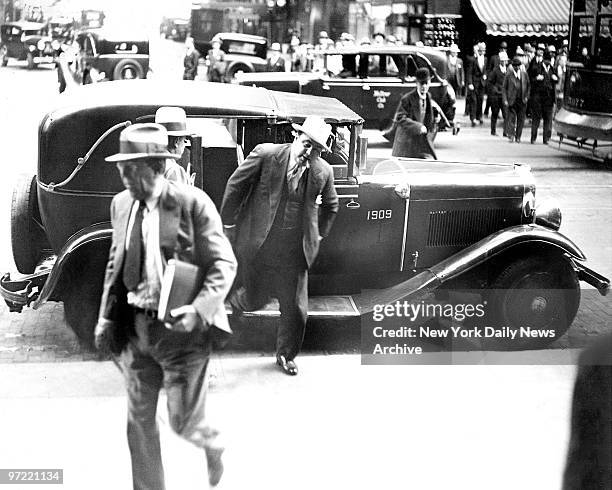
524 17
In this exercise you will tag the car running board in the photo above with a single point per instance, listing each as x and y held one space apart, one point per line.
318 307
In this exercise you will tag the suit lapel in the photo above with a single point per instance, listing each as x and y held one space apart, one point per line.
169 219
278 176
122 219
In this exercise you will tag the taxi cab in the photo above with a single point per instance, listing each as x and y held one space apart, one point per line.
368 79
404 227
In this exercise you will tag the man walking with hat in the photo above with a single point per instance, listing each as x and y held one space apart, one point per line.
174 119
278 205
515 94
153 221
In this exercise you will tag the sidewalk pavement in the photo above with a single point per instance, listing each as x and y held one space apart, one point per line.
338 424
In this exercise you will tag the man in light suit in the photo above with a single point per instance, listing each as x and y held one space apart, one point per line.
515 94
153 221
277 207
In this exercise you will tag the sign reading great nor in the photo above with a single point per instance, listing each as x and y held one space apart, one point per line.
532 28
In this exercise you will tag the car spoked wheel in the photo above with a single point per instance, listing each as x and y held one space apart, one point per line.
3 55
535 297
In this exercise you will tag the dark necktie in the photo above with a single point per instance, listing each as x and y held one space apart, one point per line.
294 178
132 266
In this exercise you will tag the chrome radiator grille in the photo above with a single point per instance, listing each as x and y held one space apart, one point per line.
462 227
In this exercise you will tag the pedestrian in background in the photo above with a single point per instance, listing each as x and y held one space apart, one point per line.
515 95
174 119
191 60
154 220
416 121
496 86
543 98
469 93
454 70
476 79
275 61
491 65
277 207
561 69
216 63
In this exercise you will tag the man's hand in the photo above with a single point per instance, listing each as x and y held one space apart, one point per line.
187 318
104 336
423 129
471 86
540 77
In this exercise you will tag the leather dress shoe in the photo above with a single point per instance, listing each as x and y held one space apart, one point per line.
288 367
215 465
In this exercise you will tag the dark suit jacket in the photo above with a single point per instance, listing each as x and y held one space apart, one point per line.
475 75
543 89
496 81
409 141
278 65
511 87
190 230
253 194
458 70
190 64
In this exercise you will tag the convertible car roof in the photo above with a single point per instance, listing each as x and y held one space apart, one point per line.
203 98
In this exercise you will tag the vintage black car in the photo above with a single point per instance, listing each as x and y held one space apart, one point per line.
404 225
174 28
27 41
108 55
244 53
369 79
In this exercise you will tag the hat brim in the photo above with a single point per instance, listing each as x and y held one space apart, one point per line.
324 144
180 133
123 157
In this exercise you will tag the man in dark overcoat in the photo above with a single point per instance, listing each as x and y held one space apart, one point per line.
416 121
496 85
191 60
153 221
543 99
476 80
277 207
515 95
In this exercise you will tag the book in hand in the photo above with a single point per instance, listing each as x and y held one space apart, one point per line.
180 285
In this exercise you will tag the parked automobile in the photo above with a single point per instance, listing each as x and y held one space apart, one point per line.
26 41
108 55
174 28
368 79
404 226
244 53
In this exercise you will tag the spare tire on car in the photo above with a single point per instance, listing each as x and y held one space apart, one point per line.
28 238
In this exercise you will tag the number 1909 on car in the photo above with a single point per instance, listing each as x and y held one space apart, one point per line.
379 214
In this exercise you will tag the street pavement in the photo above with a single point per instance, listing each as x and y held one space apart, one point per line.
337 424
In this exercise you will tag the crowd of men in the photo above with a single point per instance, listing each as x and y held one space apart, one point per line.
530 84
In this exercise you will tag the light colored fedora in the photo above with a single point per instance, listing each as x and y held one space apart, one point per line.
454 48
316 129
140 141
173 119
275 47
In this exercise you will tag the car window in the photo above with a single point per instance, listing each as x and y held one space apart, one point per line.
411 67
340 147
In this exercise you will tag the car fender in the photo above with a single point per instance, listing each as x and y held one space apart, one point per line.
98 232
480 252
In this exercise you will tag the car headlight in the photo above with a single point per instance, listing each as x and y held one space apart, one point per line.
40 45
529 205
402 190
548 214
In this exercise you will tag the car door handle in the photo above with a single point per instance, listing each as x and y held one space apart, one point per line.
352 204
365 86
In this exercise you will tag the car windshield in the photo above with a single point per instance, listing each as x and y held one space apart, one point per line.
234 46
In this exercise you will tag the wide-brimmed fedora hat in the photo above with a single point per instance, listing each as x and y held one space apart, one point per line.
138 141
317 130
275 47
174 119
454 48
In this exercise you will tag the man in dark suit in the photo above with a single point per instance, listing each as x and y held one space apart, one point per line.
476 80
277 207
275 61
496 85
543 99
190 61
515 94
416 121
155 220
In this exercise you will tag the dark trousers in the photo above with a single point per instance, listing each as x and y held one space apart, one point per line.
476 104
157 357
541 109
496 106
515 120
